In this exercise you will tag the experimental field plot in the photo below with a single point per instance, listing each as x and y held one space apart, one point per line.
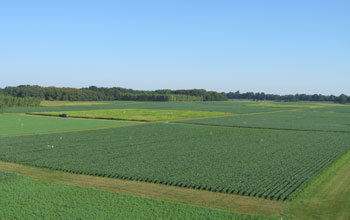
237 107
270 164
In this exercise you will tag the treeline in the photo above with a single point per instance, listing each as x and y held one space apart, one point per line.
10 101
291 98
94 93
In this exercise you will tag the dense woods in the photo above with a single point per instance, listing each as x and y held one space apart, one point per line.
10 101
94 93
292 98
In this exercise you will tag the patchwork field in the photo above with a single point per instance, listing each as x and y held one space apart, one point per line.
267 150
14 124
237 107
261 163
136 114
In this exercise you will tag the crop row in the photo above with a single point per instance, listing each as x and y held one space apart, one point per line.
270 164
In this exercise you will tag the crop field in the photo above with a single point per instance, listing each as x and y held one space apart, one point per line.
237 107
316 120
13 124
270 151
261 163
46 200
137 114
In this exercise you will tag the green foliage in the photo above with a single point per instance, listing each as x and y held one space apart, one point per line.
289 98
12 124
263 163
136 114
94 93
10 101
24 198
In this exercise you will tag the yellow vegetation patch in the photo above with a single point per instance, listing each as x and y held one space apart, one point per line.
69 103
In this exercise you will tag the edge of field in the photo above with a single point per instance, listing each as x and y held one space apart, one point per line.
327 196
223 201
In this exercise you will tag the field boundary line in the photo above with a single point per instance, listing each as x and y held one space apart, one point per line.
324 175
223 201
72 131
263 128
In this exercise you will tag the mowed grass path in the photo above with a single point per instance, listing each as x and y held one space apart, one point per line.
25 198
16 125
137 114
327 197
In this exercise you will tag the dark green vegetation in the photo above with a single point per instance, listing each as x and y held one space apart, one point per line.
136 114
13 124
289 98
24 198
10 101
94 93
254 162
323 119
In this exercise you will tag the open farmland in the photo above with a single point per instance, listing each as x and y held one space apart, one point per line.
254 162
137 114
237 107
261 155
21 196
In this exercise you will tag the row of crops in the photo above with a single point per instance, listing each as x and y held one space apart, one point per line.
270 164
24 198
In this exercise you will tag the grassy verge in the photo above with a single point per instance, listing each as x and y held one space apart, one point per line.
137 114
242 204
327 197
25 198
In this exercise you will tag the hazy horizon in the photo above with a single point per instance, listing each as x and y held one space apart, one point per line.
252 46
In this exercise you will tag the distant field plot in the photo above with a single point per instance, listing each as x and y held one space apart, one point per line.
236 107
14 124
337 119
137 114
25 198
70 103
263 163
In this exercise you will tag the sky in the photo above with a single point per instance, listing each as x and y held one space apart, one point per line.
280 47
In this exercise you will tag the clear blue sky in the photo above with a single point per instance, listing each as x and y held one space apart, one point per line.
271 46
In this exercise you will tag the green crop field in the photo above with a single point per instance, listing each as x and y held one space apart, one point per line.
254 162
25 198
251 151
13 124
321 120
136 114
